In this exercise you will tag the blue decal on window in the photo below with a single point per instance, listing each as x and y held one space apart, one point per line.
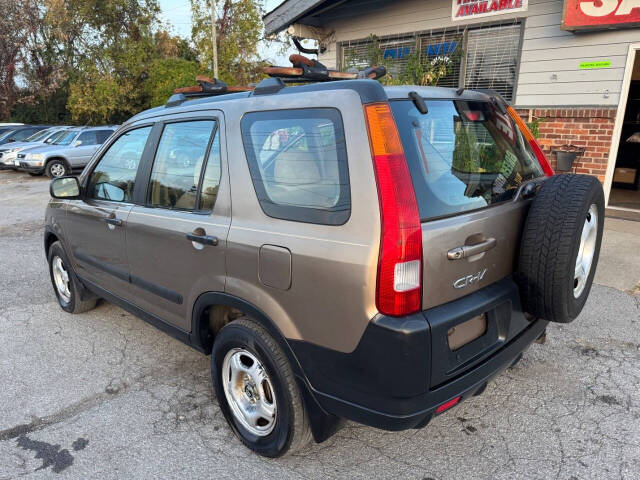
443 48
396 53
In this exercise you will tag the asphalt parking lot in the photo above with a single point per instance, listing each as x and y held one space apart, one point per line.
105 395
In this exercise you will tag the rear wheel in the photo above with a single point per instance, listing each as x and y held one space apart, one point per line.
257 391
56 168
560 247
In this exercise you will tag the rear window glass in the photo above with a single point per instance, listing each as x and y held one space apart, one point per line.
298 163
463 155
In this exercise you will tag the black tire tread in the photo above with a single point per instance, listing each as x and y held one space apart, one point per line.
77 305
548 244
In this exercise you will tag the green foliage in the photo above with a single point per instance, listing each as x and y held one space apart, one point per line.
534 127
101 61
239 31
165 75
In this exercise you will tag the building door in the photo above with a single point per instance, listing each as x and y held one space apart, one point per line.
623 173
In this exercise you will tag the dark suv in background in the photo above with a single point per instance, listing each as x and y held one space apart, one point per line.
342 250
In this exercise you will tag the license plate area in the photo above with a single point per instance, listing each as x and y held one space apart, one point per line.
467 332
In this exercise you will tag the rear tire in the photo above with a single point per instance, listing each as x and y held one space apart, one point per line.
560 247
290 430
72 295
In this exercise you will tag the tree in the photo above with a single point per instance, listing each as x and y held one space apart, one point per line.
165 75
16 25
115 66
239 31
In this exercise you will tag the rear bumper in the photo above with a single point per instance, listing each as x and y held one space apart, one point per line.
393 380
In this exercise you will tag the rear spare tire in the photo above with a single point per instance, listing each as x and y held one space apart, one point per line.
560 247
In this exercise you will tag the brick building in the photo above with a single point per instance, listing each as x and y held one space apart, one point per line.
566 65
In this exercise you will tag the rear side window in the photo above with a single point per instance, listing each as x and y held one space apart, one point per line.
462 155
102 135
298 164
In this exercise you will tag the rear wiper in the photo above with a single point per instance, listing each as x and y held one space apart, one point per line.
418 101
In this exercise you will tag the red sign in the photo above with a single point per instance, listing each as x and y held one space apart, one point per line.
600 14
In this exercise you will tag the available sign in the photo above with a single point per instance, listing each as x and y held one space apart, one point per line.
469 9
600 14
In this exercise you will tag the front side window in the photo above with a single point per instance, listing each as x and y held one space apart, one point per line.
114 177
298 163
175 176
88 138
463 155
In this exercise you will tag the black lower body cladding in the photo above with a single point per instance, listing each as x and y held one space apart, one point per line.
386 382
560 247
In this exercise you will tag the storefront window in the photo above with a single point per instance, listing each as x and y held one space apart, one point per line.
492 59
490 56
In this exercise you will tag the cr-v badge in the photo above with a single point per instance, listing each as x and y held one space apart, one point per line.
469 279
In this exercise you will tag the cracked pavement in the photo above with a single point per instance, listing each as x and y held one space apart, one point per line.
105 395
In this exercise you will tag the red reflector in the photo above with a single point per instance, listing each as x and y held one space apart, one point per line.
448 405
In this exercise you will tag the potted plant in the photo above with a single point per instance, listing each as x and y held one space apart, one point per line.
566 155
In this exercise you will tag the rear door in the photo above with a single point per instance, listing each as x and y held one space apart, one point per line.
467 160
176 234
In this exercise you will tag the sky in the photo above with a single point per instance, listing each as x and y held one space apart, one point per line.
178 13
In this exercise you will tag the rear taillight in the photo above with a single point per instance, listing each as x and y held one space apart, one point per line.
399 282
535 146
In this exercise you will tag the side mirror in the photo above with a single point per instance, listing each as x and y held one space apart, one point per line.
77 143
109 191
65 188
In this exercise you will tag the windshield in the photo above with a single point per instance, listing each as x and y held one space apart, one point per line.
65 138
6 134
55 136
36 137
463 155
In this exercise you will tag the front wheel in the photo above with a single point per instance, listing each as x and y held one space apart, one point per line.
257 391
56 168
72 296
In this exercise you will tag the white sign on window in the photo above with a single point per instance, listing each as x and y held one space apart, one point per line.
469 9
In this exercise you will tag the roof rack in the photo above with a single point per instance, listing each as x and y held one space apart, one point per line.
304 70
207 87
309 70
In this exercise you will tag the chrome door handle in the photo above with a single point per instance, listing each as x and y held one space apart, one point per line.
203 239
114 221
467 251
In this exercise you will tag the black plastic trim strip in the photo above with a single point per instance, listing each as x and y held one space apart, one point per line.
105 267
158 290
163 292
157 322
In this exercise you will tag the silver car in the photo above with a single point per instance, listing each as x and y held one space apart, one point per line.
71 151
9 152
